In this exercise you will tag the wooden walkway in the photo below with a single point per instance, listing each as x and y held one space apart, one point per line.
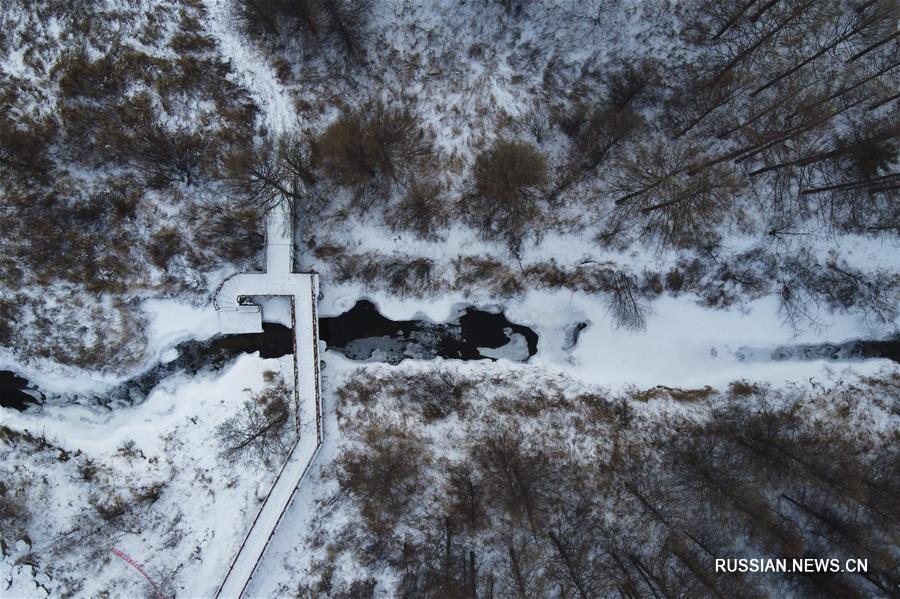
235 316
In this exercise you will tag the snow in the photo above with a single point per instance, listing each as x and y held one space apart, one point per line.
173 321
173 432
253 73
684 344
284 552
516 350
298 292
304 289
274 309
289 479
318 514
337 299
170 322
57 378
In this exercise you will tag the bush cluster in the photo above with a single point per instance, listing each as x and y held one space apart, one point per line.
373 150
504 204
340 22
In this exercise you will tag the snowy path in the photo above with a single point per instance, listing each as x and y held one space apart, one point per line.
302 289
266 522
253 73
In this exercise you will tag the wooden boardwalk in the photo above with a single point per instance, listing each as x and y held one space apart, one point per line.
235 316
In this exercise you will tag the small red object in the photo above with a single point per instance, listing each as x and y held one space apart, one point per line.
138 567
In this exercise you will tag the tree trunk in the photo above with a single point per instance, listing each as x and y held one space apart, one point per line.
574 575
517 573
734 19
863 183
877 44
763 38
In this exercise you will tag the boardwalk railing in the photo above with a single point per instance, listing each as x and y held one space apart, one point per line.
236 579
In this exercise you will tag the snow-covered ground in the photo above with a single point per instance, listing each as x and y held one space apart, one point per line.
684 343
184 533
471 79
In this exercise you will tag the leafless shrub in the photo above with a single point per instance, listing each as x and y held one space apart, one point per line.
8 315
402 274
127 449
436 393
233 230
261 429
487 272
164 245
385 474
87 469
357 589
741 389
191 42
81 77
14 513
652 284
504 202
674 281
149 494
36 442
24 148
166 156
601 130
422 211
110 508
549 275
538 122
372 150
410 277
358 391
629 84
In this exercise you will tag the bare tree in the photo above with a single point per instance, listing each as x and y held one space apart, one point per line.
385 475
627 308
676 194
521 479
344 21
807 284
261 428
272 171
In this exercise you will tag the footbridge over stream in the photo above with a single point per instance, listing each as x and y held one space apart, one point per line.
237 314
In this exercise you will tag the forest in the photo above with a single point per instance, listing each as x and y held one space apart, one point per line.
134 164
485 485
